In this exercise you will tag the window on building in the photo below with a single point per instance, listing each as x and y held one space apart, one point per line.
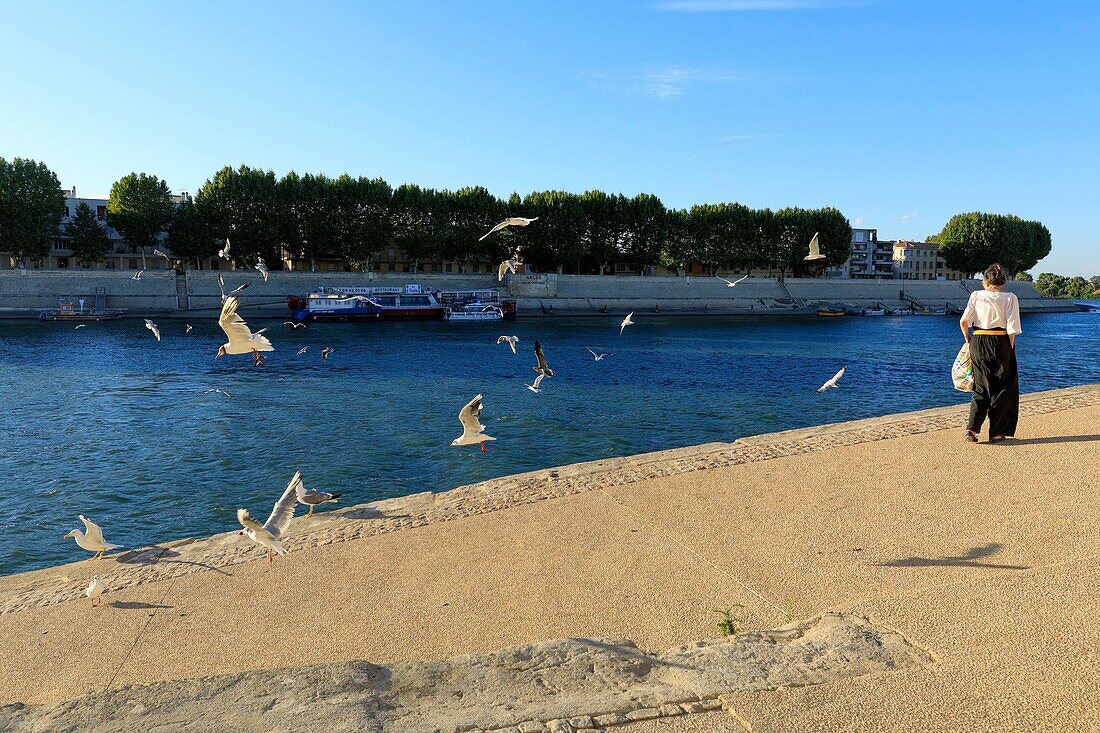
101 213
859 236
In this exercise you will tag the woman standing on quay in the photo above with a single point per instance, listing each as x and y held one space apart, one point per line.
995 316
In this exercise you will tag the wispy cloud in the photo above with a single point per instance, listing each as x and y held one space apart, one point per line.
906 217
668 81
721 6
733 139
859 221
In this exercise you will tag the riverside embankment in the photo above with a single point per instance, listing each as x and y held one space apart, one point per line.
165 293
878 587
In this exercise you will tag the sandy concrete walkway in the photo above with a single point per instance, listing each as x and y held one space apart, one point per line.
988 557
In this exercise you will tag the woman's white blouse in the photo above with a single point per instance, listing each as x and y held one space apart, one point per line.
993 309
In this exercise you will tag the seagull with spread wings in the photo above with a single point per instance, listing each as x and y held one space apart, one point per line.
270 533
241 338
597 357
236 291
509 265
815 250
626 322
731 283
91 539
473 432
294 324
832 383
261 267
511 221
153 327
535 387
166 257
541 367
510 340
137 275
224 251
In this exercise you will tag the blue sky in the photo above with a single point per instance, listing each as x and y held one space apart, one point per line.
898 112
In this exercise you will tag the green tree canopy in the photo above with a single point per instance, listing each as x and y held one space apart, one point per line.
421 221
363 220
605 223
31 203
88 240
972 242
472 211
557 238
191 235
140 208
243 206
646 229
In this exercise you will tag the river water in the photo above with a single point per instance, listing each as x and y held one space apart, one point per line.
107 422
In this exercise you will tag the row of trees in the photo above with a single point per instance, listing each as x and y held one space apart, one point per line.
971 242
314 217
1060 286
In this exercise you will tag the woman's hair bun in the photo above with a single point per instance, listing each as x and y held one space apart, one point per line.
995 274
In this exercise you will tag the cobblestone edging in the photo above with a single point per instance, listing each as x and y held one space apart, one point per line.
199 555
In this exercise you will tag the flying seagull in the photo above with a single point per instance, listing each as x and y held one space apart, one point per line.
91 539
261 267
512 221
325 352
294 324
137 275
302 350
224 251
473 432
270 532
166 257
241 339
541 367
597 357
510 340
215 390
82 325
95 589
153 327
236 290
508 265
626 322
832 383
535 387
815 250
310 497
731 283
188 329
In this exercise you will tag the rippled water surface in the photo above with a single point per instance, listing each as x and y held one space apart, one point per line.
108 422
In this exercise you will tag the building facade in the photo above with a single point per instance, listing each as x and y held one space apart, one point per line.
921 261
871 258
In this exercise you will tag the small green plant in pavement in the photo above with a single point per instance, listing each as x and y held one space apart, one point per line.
728 623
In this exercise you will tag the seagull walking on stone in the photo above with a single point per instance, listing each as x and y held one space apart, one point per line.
731 283
241 338
310 497
473 432
535 387
269 534
541 367
261 267
832 383
597 357
626 322
95 589
815 250
153 327
510 340
224 251
512 221
91 539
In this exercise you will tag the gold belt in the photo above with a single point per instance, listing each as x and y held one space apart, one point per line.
989 332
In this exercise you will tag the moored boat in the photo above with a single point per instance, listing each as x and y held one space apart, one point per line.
832 312
66 312
355 303
466 304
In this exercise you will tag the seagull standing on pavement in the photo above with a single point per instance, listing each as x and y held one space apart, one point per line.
626 322
731 283
241 338
310 497
91 539
95 589
473 432
815 250
153 327
512 221
269 534
510 340
832 383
